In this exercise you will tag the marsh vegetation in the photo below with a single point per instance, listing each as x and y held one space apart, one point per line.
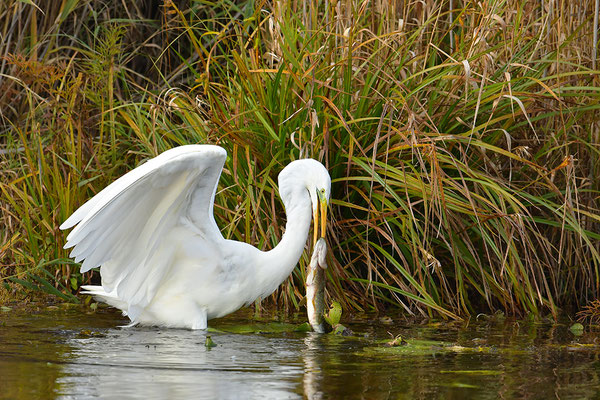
462 137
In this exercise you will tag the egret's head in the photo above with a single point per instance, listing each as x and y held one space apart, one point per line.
311 175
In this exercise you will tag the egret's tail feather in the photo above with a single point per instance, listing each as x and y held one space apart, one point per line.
108 298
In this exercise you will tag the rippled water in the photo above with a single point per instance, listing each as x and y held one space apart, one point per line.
71 353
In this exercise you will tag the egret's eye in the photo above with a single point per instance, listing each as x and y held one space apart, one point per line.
323 191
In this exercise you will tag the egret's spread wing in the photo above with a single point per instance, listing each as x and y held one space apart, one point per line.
122 227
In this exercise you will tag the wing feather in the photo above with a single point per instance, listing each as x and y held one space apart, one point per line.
123 226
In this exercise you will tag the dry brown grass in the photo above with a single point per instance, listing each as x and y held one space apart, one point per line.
464 171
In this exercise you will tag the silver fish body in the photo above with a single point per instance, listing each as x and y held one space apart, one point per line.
315 287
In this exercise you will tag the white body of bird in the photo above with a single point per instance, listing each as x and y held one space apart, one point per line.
163 260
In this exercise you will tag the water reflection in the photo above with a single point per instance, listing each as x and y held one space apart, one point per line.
313 374
71 354
146 363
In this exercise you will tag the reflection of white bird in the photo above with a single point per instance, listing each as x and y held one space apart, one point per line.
163 259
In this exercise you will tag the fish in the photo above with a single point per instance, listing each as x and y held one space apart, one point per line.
315 288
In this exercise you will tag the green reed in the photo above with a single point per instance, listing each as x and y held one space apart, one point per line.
463 172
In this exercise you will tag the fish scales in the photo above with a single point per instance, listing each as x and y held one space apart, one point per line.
315 287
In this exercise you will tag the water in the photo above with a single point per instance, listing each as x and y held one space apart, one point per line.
67 353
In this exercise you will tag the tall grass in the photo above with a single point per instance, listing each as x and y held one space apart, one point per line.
462 142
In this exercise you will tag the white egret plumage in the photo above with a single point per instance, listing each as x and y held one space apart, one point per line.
162 258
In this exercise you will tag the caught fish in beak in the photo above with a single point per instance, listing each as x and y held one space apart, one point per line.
315 288
315 277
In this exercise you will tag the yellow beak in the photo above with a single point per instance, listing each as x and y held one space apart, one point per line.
321 211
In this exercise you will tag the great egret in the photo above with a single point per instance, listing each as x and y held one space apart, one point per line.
162 258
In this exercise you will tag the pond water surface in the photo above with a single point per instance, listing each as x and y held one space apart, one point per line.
70 352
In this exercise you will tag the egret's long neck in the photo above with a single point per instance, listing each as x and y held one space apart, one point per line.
280 262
